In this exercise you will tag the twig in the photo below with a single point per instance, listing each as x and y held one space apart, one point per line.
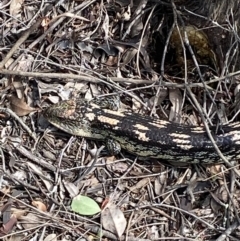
92 164
209 131
89 79
25 127
35 159
200 109
19 42
92 79
228 231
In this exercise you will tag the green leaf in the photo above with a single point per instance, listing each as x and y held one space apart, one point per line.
84 205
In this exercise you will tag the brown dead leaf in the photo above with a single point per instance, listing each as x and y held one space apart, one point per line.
5 190
176 99
221 194
162 96
215 206
39 205
143 182
72 189
45 23
128 56
51 237
111 61
6 212
25 63
113 220
9 62
15 7
20 107
116 167
197 39
160 183
30 221
7 227
18 213
19 88
215 171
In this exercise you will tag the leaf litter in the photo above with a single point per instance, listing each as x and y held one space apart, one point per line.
141 52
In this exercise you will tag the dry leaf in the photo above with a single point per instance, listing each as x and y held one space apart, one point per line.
18 213
39 205
160 183
127 14
162 96
215 171
20 107
6 190
72 189
176 99
31 221
113 220
19 88
45 23
197 39
143 182
105 203
16 236
9 62
7 227
15 7
25 63
51 237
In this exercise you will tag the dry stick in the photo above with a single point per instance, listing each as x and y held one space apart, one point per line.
71 76
209 131
228 231
63 223
35 159
60 159
36 41
201 111
19 42
92 79
92 164
79 77
12 114
184 40
53 26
